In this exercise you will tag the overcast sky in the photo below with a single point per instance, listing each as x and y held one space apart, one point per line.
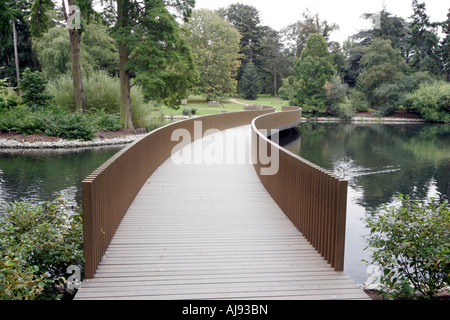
346 13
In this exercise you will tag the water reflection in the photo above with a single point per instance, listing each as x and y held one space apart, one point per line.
379 161
43 175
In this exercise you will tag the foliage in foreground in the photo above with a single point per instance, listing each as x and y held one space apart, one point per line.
37 245
411 246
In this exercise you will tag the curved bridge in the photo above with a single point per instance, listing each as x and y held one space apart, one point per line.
213 208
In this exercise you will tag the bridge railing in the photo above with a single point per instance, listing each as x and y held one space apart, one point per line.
314 199
109 191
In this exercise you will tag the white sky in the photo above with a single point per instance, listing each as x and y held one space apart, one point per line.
346 13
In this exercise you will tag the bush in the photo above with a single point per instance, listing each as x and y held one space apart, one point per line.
72 126
345 111
102 93
431 101
189 111
37 245
388 97
33 86
51 121
8 98
109 122
411 245
359 100
287 90
336 94
101 120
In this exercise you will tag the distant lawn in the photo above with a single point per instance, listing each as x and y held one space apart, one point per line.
267 100
204 108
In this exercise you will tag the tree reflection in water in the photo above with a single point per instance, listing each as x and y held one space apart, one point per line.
379 161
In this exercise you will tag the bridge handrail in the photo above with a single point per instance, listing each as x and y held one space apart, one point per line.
109 191
314 199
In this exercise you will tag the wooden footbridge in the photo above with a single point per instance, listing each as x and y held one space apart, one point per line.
211 208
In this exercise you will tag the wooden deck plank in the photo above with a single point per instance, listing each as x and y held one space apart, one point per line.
211 232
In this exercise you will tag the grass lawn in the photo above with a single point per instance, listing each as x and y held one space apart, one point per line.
204 108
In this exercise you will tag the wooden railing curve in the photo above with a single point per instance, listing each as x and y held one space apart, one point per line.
109 191
314 199
311 197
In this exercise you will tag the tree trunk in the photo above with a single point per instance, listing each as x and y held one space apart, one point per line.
275 84
125 89
75 44
16 56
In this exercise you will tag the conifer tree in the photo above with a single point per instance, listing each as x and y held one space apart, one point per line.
445 48
312 72
249 86
424 41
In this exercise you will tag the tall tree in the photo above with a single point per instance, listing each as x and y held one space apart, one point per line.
5 22
353 53
383 66
424 41
276 64
246 19
388 27
98 51
249 85
296 34
445 47
312 71
72 13
215 44
151 49
15 52
16 55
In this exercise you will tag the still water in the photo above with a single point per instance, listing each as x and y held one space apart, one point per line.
379 161
44 175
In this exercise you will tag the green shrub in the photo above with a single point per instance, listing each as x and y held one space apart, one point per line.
431 101
72 126
388 97
103 120
411 245
8 98
187 111
102 93
109 122
345 111
11 119
33 87
287 90
336 94
37 245
358 100
57 121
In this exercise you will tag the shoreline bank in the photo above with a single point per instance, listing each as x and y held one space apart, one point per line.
36 141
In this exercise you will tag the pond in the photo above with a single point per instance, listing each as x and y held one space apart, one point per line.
43 175
379 161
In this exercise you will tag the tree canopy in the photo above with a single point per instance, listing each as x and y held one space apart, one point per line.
312 71
215 44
